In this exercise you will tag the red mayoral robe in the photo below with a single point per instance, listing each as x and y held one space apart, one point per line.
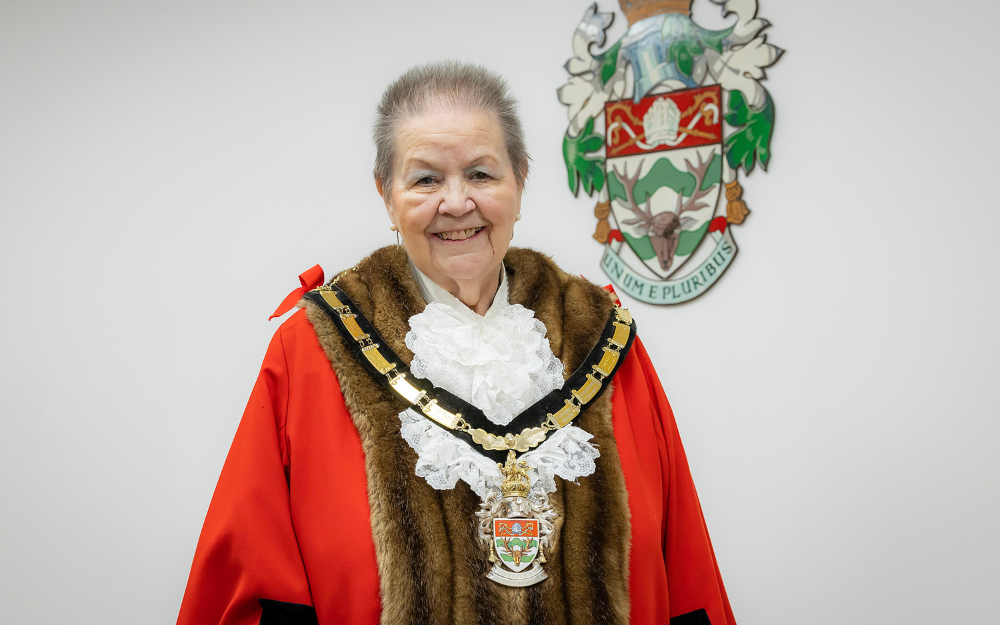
289 522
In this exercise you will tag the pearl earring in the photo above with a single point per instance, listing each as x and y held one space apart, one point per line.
518 218
392 227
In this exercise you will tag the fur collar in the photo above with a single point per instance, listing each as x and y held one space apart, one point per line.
432 568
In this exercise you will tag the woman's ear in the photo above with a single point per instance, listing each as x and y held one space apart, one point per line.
386 198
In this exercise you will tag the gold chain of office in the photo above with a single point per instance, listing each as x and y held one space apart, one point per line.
521 442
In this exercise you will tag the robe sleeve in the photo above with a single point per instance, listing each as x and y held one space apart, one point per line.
248 556
693 579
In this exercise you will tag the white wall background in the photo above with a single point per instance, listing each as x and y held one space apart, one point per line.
168 168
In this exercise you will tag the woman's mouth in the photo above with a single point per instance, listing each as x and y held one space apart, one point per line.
458 235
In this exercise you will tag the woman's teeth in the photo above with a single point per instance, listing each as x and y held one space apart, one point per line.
458 235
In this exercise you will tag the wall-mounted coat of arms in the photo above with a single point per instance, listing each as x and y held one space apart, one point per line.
661 123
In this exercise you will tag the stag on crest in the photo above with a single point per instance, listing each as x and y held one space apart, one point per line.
664 229
515 551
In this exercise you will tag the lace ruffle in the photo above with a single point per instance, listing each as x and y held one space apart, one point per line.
443 459
567 452
500 363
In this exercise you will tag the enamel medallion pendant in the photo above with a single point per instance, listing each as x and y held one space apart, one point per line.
516 547
516 525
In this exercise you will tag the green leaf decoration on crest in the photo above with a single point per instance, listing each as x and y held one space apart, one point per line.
609 62
751 141
582 168
683 53
714 39
688 41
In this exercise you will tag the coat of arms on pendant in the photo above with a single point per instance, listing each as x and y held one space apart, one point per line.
515 542
661 122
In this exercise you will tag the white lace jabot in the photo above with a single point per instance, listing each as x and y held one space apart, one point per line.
501 363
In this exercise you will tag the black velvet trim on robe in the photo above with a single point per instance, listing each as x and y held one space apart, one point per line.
283 613
698 617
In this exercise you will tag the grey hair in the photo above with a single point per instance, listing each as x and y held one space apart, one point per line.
462 86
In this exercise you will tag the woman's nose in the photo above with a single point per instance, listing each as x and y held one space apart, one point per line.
456 200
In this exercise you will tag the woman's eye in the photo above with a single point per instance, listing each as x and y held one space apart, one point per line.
480 175
426 180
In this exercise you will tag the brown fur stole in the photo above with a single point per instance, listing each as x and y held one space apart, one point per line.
432 567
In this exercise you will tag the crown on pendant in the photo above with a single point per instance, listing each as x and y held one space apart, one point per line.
515 477
638 10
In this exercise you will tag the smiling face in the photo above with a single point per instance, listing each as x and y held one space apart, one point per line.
453 195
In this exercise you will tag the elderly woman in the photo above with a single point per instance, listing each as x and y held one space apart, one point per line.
454 430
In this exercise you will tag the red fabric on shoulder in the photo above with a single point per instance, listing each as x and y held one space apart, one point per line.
309 279
610 289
